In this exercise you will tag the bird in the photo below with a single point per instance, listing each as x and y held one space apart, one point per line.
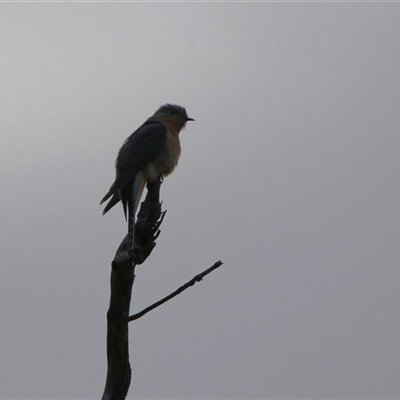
150 152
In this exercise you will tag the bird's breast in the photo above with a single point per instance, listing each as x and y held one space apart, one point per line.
166 161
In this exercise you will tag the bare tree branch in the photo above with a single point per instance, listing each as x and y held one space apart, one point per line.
197 278
147 230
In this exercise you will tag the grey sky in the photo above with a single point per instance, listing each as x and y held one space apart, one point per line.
290 175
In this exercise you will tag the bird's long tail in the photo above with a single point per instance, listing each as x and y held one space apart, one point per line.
132 207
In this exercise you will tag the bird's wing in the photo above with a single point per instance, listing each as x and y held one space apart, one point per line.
137 151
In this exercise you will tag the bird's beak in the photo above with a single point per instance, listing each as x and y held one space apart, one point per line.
189 119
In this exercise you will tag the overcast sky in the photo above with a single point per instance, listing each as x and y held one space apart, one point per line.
290 175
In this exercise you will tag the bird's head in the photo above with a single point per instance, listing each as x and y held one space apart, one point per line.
174 113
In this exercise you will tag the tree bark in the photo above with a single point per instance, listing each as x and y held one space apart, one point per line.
122 278
147 230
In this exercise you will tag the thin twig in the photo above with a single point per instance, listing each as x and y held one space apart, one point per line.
197 278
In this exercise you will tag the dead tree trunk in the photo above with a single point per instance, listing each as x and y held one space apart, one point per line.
122 278
147 230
